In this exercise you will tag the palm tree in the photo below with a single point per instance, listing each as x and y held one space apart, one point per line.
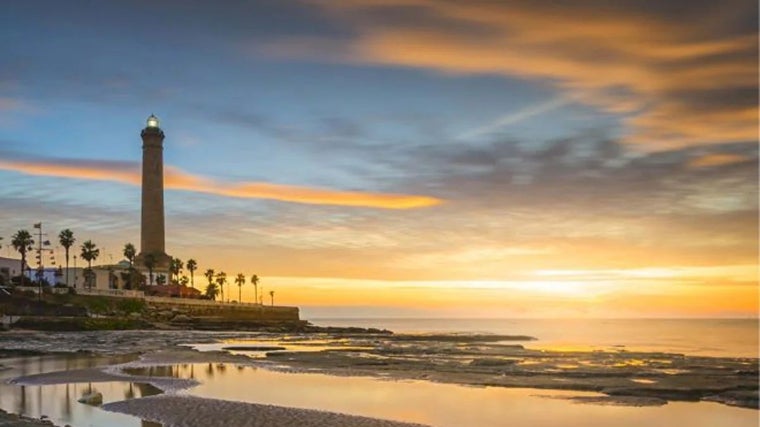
22 242
175 268
67 240
209 275
90 253
271 295
212 290
240 280
255 281
150 264
221 279
129 253
191 267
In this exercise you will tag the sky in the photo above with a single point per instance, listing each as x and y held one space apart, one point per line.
403 158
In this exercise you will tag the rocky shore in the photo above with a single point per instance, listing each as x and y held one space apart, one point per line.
13 420
99 313
623 377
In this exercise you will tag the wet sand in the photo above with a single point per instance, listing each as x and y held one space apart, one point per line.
185 411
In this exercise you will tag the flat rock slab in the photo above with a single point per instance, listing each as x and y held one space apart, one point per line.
253 348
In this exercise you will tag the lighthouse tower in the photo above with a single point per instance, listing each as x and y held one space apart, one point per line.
152 234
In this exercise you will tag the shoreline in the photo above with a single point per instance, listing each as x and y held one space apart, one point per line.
616 377
177 410
469 360
8 419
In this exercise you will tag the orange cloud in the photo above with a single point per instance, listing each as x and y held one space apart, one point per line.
710 160
129 173
679 81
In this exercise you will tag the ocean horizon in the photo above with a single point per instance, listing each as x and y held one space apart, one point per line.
732 337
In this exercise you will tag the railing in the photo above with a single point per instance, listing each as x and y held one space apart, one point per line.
36 289
193 301
124 293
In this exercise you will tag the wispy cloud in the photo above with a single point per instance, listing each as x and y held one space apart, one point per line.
516 117
177 179
718 159
677 81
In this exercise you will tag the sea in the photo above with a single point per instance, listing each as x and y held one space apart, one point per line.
426 402
697 337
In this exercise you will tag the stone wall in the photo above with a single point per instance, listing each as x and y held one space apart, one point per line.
225 311
202 307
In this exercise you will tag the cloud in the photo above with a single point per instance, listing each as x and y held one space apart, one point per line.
718 159
680 73
516 117
176 179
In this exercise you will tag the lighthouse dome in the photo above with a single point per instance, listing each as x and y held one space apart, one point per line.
152 121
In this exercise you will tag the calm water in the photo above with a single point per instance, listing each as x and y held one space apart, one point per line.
704 337
439 405
59 402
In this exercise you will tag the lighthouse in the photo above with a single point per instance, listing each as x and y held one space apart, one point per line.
152 231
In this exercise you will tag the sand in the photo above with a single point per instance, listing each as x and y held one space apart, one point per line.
186 411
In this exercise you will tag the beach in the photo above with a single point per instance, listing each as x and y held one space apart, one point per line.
185 378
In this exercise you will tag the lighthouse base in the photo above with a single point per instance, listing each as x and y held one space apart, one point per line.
161 261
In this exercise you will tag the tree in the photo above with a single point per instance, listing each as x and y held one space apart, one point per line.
191 267
184 280
150 264
175 268
212 291
129 253
90 253
67 240
271 295
221 280
255 281
240 280
209 275
161 280
22 242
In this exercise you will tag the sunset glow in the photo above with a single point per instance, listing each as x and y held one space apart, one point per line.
407 158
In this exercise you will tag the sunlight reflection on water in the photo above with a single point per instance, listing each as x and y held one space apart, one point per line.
441 405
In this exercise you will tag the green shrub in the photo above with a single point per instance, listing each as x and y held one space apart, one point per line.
130 305
98 305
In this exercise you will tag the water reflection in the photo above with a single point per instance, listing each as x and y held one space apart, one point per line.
59 402
440 405
259 348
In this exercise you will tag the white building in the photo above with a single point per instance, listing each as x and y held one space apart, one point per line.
106 276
